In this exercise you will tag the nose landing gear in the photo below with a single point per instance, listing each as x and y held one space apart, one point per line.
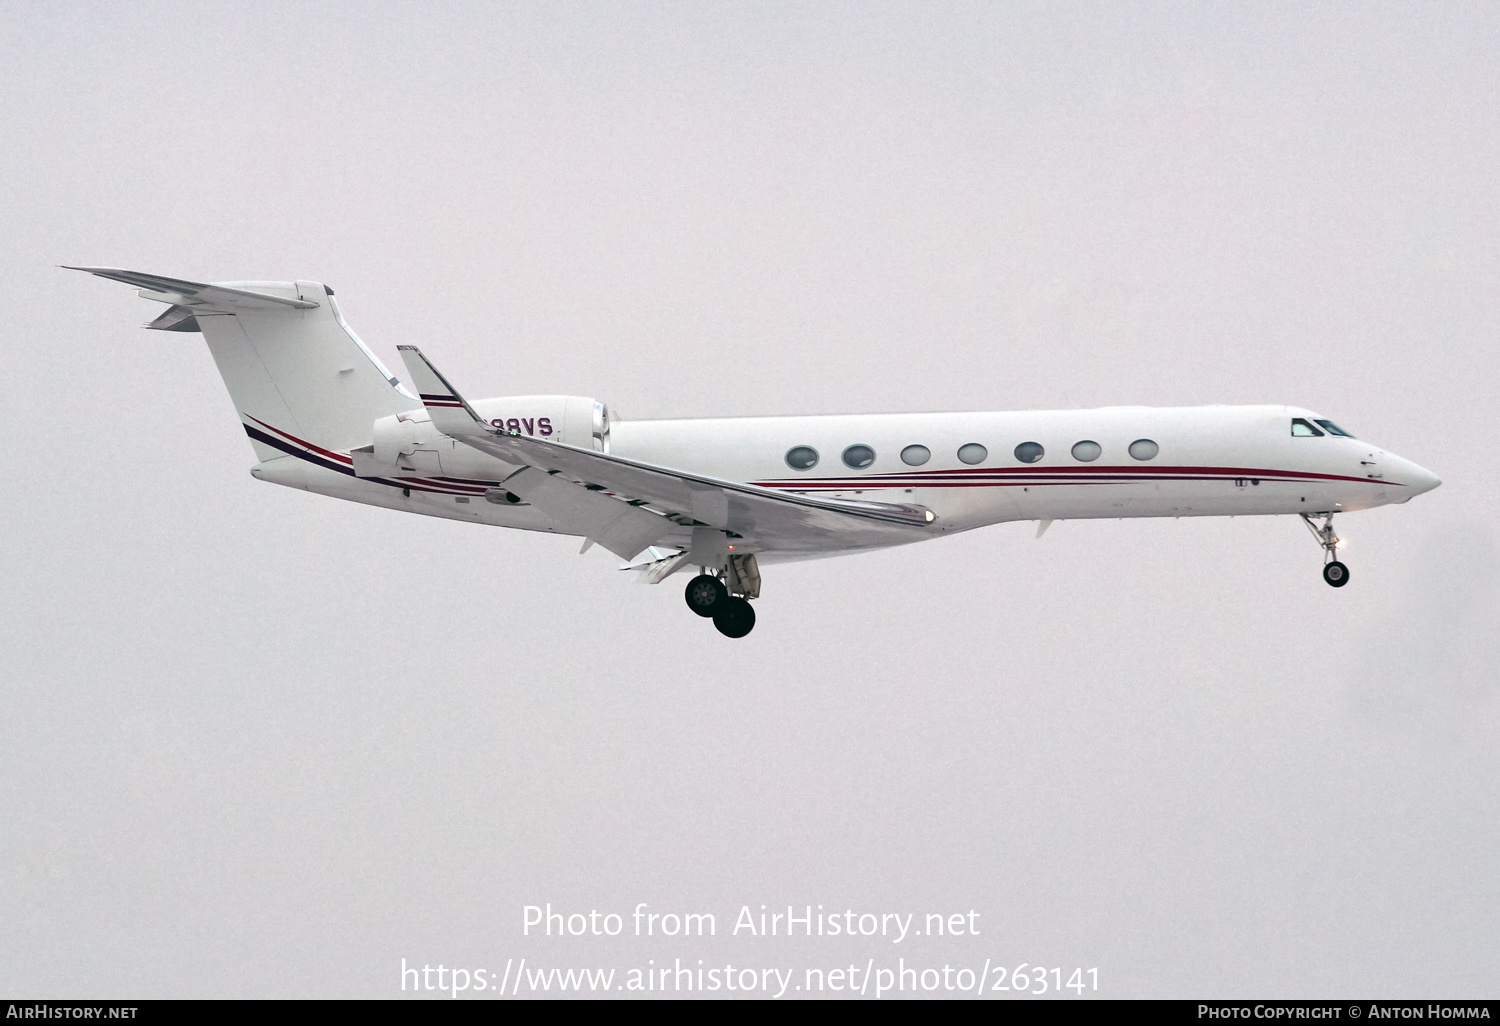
1334 572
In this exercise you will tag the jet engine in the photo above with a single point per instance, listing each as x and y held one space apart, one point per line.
407 445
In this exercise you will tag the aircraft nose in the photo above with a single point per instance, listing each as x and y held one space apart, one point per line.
1419 479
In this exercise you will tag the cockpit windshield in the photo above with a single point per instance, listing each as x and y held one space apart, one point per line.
1334 429
1303 429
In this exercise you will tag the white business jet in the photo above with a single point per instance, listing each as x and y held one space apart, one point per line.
725 496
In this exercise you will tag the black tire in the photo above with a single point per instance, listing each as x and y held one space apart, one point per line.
734 618
1336 574
705 594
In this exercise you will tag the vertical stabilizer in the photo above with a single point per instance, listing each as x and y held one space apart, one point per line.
291 364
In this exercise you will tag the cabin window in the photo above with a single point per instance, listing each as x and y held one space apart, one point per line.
973 453
858 457
1302 429
802 457
1087 451
1334 429
915 455
1030 452
1144 449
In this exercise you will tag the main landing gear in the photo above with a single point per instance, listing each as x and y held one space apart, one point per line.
708 596
733 616
704 592
1334 572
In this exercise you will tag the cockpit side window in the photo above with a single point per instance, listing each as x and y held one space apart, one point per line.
1302 429
1334 429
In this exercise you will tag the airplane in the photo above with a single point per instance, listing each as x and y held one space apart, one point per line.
724 496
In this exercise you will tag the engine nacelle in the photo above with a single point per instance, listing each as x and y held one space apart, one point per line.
571 419
407 445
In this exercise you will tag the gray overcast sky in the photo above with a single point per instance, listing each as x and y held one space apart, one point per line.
256 742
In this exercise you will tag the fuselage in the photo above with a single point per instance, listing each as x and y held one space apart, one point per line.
722 496
1199 461
970 469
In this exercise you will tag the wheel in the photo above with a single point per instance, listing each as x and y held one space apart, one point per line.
705 594
1336 574
734 618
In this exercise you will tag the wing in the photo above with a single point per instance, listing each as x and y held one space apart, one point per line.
767 520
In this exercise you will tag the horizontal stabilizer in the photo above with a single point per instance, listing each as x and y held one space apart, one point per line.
195 295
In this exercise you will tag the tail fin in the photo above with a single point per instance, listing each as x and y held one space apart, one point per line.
290 362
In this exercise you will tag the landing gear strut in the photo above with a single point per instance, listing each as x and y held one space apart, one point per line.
1334 572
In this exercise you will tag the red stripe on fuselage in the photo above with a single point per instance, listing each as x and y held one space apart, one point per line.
999 477
327 453
456 485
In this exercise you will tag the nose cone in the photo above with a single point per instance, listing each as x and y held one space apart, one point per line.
1418 479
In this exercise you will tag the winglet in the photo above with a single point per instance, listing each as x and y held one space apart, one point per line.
451 414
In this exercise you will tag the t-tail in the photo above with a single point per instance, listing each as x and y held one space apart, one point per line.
301 380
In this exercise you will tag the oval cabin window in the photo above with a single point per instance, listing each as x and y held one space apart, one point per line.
858 457
803 457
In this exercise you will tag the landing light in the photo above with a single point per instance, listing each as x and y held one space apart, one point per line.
931 516
1342 543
